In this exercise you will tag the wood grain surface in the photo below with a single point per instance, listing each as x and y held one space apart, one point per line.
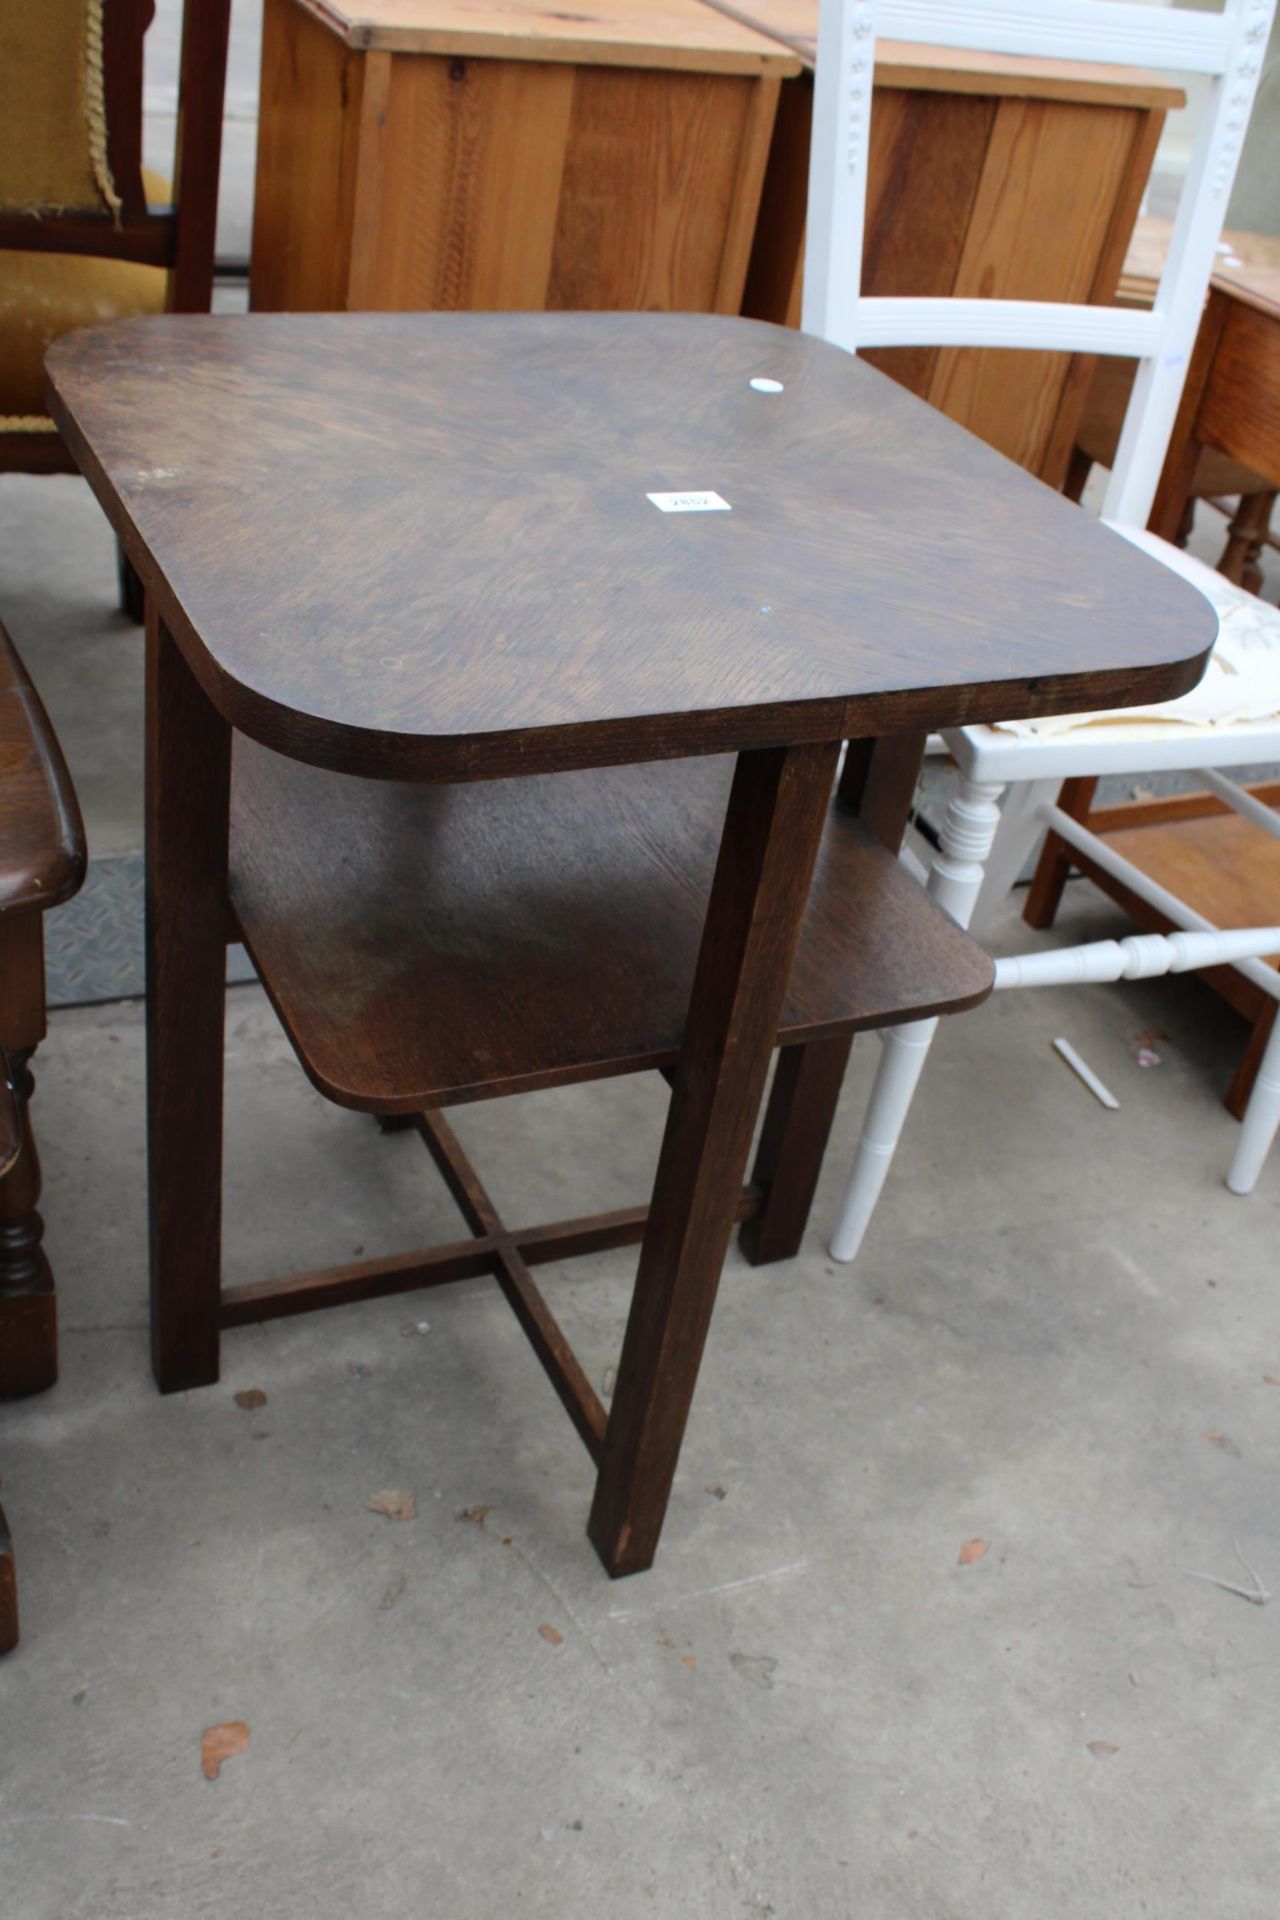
672 34
995 193
1239 411
42 846
420 545
473 175
426 944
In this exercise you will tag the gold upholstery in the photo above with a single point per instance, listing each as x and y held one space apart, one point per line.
44 295
53 151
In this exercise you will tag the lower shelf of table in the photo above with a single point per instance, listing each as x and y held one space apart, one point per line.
425 945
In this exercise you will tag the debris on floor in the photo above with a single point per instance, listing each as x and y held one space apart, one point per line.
397 1503
971 1550
221 1743
1083 1071
1256 1594
249 1398
1143 1047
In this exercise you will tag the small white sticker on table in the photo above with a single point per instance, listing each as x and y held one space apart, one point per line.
689 503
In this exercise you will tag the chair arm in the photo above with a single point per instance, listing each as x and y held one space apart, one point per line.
42 845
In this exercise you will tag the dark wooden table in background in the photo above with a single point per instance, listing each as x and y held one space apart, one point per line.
418 551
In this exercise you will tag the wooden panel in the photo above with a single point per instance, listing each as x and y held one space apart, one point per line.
420 544
972 195
672 34
308 134
428 944
775 271
928 151
1039 225
1240 410
1219 864
470 184
648 191
496 184
1061 440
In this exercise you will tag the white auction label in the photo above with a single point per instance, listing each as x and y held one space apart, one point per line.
689 503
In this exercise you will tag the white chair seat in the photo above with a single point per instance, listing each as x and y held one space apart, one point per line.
1241 683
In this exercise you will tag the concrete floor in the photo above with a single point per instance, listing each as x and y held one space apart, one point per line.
1062 1339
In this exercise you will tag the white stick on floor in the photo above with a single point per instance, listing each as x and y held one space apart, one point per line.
1086 1073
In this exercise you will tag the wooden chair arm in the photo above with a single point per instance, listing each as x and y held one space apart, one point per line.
42 845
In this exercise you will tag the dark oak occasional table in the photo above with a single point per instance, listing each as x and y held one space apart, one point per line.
485 828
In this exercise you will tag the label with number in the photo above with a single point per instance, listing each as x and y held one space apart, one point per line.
689 503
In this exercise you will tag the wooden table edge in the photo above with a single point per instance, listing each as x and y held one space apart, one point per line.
770 55
561 747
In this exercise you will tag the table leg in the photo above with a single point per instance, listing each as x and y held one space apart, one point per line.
793 1142
771 835
28 1299
878 783
188 797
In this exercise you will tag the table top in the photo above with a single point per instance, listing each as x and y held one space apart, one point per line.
1258 286
679 35
1241 256
900 63
423 545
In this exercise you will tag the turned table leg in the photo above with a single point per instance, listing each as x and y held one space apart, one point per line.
771 835
1246 536
28 1302
188 797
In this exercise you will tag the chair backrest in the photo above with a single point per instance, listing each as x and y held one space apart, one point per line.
1226 48
71 148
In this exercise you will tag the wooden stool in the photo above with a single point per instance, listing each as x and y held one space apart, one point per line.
42 861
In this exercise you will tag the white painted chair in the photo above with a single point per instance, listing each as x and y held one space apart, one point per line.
1233 718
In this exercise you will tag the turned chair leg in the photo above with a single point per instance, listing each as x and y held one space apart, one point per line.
28 1303
1261 1120
1245 535
955 879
